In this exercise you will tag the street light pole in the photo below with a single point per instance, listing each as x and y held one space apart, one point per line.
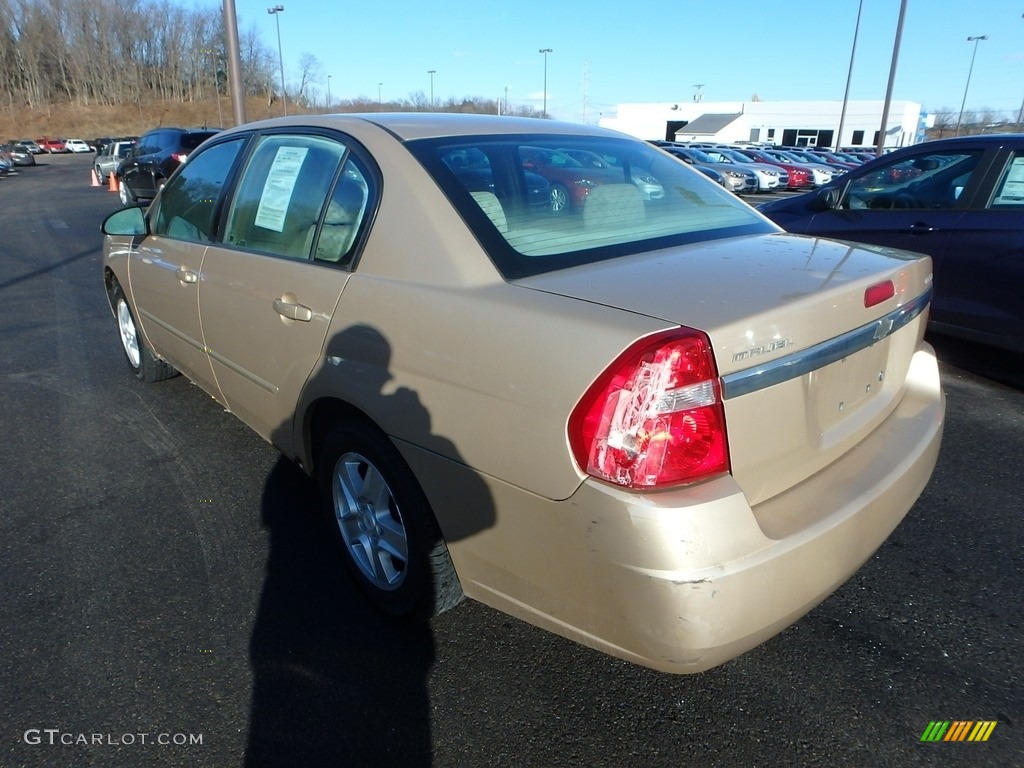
849 76
880 144
328 93
976 39
431 72
1020 115
379 86
274 12
545 51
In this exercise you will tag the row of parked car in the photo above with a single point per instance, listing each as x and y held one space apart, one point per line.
54 146
22 152
751 168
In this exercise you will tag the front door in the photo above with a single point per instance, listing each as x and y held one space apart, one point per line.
164 273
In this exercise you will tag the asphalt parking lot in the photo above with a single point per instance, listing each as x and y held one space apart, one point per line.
169 599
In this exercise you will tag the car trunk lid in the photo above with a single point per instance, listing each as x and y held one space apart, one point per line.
811 353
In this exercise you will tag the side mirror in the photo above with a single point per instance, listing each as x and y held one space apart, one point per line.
128 222
827 199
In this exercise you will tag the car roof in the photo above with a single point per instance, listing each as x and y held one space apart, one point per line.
420 125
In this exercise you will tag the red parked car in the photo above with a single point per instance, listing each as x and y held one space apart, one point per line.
570 180
800 177
53 146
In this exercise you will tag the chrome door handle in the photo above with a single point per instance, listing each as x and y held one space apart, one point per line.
186 275
293 311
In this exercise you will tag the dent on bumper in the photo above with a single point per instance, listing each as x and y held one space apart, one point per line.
682 581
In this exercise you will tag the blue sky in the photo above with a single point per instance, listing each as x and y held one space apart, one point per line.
607 52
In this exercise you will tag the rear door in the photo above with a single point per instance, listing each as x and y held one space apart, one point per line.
270 289
982 268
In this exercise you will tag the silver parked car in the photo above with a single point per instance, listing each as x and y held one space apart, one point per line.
109 158
769 177
733 177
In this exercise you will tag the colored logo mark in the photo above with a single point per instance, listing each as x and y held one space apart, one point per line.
958 730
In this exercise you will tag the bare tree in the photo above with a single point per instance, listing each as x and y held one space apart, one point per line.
309 73
945 120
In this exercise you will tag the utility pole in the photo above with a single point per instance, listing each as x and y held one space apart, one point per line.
234 62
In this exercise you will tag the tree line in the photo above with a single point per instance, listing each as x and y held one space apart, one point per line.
108 52
117 52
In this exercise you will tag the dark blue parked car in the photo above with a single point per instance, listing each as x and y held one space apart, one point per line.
959 200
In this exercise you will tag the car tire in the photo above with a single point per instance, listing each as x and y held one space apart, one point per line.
383 524
144 365
127 198
559 199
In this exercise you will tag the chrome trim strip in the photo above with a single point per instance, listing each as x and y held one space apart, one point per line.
245 373
797 364
150 317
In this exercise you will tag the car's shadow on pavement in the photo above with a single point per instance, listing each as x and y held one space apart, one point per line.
336 681
995 364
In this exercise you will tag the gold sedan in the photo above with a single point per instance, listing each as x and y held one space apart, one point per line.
660 427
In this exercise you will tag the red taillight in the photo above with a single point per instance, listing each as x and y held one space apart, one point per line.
878 293
654 417
181 157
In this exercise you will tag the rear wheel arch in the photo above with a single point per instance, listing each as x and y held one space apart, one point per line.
321 418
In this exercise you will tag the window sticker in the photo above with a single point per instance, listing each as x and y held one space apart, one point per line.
279 187
1013 188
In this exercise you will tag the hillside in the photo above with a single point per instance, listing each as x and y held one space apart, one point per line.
129 120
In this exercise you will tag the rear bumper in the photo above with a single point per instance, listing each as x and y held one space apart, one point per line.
684 580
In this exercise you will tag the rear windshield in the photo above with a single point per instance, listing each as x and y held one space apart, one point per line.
540 203
193 140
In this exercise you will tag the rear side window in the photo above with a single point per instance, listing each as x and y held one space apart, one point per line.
540 203
282 193
193 140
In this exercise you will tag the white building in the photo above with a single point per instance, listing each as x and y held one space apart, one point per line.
790 123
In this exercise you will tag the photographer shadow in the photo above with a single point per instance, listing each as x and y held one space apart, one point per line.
337 681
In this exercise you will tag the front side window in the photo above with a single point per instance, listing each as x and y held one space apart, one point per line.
187 206
282 193
931 180
540 203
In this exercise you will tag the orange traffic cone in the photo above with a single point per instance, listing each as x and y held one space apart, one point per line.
113 183
95 179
